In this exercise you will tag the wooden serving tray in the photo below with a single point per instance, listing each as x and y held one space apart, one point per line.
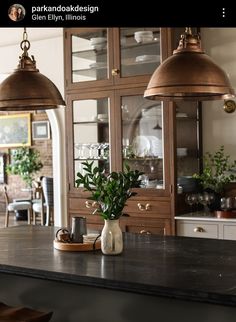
76 247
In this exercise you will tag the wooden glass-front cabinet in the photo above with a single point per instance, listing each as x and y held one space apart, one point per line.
110 123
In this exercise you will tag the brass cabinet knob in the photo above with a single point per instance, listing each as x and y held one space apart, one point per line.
89 204
115 71
229 106
143 231
145 207
199 230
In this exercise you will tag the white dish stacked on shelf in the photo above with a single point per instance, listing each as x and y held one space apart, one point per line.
147 58
98 65
147 146
98 43
102 117
152 112
141 146
152 183
155 146
143 36
181 114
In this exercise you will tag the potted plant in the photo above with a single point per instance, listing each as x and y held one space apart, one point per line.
217 172
110 192
25 162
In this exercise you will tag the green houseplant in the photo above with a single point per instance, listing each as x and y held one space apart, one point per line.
110 192
25 162
217 172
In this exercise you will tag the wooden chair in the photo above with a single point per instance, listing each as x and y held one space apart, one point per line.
46 206
38 205
16 206
47 185
22 314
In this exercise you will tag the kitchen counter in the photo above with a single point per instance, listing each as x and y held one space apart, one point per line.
150 269
204 217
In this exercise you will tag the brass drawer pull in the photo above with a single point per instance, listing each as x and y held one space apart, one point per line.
89 204
145 207
143 231
199 230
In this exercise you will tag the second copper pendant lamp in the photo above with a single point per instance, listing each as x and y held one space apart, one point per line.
26 88
189 74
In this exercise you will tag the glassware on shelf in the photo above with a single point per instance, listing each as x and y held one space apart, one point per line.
83 150
93 151
144 181
125 112
80 150
103 149
191 199
227 204
206 199
128 152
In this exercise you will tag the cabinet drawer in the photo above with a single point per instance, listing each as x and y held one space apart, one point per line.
142 226
135 228
77 205
229 232
197 229
148 208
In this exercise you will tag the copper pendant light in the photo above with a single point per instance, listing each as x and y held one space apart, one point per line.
189 74
27 89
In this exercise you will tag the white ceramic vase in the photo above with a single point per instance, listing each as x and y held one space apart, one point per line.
111 238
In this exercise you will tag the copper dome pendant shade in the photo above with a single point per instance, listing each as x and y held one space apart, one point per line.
27 89
189 74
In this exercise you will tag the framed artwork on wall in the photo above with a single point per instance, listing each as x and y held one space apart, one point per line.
15 130
40 130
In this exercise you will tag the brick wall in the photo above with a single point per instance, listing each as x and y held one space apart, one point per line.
14 182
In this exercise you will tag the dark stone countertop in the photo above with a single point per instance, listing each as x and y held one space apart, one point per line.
178 267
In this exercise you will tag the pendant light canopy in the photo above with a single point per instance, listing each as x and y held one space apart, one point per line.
189 74
27 89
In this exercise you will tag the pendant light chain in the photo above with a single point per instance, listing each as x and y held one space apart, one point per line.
25 44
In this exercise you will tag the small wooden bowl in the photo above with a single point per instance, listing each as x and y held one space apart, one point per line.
225 214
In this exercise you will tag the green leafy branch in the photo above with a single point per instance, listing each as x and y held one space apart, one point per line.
110 191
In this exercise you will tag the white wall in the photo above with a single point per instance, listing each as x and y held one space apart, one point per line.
48 54
219 127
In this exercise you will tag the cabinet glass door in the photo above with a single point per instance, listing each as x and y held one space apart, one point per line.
91 133
188 152
140 51
90 56
142 139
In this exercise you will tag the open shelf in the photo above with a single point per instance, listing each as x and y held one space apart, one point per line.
90 72
92 122
90 54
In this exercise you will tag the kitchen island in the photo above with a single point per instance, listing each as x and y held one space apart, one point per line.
169 278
